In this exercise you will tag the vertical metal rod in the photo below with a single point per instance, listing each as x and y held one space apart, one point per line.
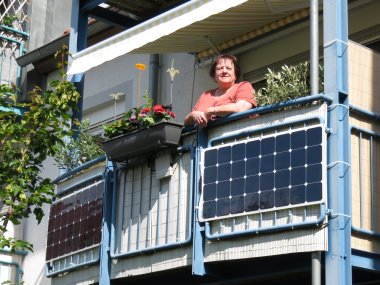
158 213
179 197
148 242
77 42
139 218
275 217
123 210
168 214
316 268
372 186
314 46
261 220
305 213
131 213
361 192
154 65
19 69
338 267
10 64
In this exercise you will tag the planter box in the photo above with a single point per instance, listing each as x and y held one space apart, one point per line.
143 142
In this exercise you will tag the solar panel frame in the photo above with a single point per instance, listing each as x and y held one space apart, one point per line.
281 170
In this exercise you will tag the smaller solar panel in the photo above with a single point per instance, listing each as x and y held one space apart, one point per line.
280 170
75 222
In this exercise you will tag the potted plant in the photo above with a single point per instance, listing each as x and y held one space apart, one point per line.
141 131
289 83
74 152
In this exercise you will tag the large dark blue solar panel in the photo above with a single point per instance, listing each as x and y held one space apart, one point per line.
281 170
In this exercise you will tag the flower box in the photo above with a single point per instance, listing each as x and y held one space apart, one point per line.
143 142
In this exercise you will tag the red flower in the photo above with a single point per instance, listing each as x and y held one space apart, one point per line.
159 109
143 117
145 110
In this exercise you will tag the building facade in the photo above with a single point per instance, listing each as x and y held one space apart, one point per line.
287 196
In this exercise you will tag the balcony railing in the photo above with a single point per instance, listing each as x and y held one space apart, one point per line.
152 213
159 203
12 43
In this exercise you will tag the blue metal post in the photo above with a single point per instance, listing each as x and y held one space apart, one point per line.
198 267
338 257
78 42
105 256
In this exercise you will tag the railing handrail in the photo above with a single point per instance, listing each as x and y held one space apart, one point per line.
21 33
84 166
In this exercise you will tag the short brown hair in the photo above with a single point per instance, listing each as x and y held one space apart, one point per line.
225 56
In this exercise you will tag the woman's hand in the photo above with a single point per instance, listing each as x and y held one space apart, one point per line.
210 114
199 118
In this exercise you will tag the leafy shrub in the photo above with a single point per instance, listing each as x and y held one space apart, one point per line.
76 151
26 140
30 132
290 82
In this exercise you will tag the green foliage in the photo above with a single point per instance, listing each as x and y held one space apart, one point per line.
14 244
25 142
8 20
8 282
290 83
137 118
76 151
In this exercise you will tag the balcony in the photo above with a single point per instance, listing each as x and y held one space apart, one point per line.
251 186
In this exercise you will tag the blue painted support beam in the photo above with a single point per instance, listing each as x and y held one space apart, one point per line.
91 4
78 42
366 260
198 267
338 257
105 256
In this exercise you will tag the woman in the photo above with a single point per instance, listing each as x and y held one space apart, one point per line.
229 97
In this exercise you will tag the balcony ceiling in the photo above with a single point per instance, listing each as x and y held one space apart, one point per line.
201 27
238 24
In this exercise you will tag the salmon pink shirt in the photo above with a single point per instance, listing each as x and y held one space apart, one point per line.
239 91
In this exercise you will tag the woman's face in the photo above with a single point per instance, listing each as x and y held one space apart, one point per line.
225 73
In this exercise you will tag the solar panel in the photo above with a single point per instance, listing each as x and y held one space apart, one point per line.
279 170
75 222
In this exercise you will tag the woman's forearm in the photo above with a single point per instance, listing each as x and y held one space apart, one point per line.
189 120
227 109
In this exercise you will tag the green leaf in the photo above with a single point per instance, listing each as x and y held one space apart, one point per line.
25 142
